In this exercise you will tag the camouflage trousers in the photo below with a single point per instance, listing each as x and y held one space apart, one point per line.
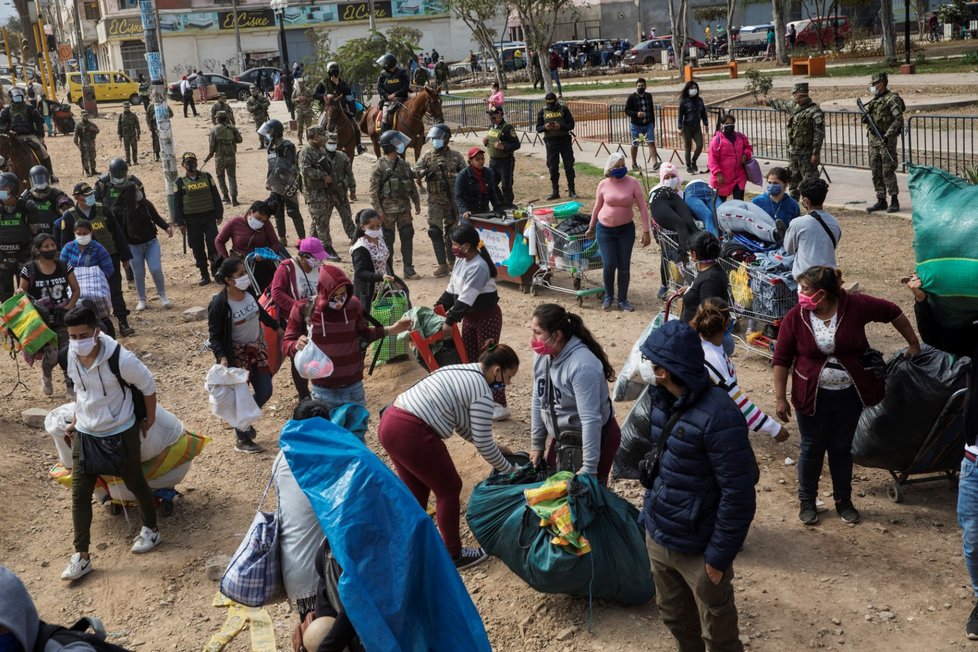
88 158
303 121
441 219
131 144
800 168
883 168
227 167
394 223
321 209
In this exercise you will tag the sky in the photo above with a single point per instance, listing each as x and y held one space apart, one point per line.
6 11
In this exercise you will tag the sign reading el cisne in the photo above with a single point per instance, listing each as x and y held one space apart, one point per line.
124 27
262 18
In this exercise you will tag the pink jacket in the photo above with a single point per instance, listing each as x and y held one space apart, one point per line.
725 157
496 99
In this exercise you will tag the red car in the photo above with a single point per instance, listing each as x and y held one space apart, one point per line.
834 30
700 45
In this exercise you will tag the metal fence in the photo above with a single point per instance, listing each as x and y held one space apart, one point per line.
945 141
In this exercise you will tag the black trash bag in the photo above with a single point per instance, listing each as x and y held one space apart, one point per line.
636 438
891 433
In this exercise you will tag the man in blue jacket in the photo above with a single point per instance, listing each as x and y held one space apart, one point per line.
702 501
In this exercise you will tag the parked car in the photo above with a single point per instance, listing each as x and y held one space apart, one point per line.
647 52
700 45
109 85
233 89
250 76
752 39
834 31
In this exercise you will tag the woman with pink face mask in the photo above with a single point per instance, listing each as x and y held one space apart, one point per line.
821 343
570 392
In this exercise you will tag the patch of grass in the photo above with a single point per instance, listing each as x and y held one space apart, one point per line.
927 66
588 170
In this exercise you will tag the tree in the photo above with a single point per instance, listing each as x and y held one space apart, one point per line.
709 14
779 8
359 56
539 21
478 15
731 47
678 19
889 30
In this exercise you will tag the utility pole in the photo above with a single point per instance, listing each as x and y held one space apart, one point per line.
88 93
237 37
154 61
372 17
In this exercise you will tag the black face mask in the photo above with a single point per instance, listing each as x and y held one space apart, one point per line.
728 129
497 385
551 105
640 90
49 255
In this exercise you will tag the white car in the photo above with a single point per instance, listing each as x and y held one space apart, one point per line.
752 39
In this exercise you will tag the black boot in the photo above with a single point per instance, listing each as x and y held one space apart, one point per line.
571 193
894 204
125 329
880 205
555 194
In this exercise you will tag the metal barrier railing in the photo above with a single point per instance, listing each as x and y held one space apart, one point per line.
945 141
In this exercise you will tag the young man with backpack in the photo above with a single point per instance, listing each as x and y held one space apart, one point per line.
115 407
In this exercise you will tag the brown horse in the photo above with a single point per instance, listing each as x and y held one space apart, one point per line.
334 119
410 118
20 157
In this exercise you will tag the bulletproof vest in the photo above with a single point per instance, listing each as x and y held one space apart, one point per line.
318 156
20 119
197 195
15 232
396 180
41 213
494 134
226 142
555 114
881 108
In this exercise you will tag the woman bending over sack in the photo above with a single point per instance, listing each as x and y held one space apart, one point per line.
670 212
471 299
821 343
456 398
570 391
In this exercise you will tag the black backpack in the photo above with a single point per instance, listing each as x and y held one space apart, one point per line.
76 633
138 404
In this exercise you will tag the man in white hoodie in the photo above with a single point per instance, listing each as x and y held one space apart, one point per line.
112 387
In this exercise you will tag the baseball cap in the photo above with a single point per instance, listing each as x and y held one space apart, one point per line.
312 247
473 151
188 156
82 188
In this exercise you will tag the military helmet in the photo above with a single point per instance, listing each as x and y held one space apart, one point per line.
272 129
9 180
387 61
332 68
40 177
800 87
222 96
439 131
118 170
390 139
254 89
314 132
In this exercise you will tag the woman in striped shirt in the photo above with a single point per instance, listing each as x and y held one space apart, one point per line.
453 399
711 322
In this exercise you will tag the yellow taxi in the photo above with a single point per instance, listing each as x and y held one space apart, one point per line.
109 85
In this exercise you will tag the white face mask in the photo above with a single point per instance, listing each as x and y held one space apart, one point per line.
330 147
693 92
872 90
255 224
646 373
242 282
83 240
337 303
82 347
314 263
374 233
672 182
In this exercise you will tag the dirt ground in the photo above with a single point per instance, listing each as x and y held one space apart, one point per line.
894 582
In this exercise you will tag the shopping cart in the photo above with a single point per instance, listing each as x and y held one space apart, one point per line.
677 270
760 297
558 250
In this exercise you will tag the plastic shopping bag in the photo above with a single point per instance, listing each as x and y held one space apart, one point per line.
311 362
229 397
520 260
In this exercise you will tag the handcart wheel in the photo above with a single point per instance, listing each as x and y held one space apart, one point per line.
166 508
115 509
524 288
894 492
580 302
577 283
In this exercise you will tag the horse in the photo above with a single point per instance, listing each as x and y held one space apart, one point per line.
334 119
410 118
20 157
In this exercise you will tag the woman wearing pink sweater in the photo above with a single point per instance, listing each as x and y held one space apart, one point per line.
728 152
613 219
496 98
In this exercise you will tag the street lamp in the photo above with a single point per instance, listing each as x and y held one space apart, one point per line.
279 7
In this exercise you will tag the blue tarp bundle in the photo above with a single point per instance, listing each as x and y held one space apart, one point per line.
399 585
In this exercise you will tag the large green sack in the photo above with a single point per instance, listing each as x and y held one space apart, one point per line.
946 242
388 306
616 569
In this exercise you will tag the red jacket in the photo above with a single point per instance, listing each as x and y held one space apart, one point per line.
724 156
796 346
336 332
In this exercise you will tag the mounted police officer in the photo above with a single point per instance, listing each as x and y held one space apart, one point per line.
42 201
327 180
25 121
335 86
15 234
257 106
85 133
555 122
394 87
886 110
223 143
222 105
806 133
501 142
129 133
392 192
438 168
197 210
283 178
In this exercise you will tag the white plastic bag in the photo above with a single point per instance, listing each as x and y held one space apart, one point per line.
229 397
311 362
636 373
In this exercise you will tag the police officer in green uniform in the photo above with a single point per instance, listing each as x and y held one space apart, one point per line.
108 233
806 133
501 141
257 106
222 105
42 201
15 234
197 211
555 122
438 168
223 144
129 133
886 110
392 191
85 133
327 180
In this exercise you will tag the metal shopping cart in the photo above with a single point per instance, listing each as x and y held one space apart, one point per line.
762 298
677 270
561 248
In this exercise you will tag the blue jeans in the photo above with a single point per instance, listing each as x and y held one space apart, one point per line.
968 518
261 382
144 255
334 397
49 123
830 430
555 76
616 244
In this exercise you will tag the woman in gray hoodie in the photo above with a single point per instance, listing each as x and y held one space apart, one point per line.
570 394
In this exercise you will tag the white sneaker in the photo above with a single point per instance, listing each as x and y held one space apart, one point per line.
76 568
146 541
140 305
47 388
166 303
500 413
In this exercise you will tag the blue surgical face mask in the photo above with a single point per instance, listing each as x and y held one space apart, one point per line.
4 195
90 200
774 188
497 385
619 173
438 143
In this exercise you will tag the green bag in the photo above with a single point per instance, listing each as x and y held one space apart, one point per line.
520 260
946 243
23 320
389 304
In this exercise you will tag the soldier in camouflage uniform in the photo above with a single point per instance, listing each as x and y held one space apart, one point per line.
392 191
438 168
85 133
257 106
224 140
302 102
886 109
327 178
806 132
222 105
129 133
154 131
